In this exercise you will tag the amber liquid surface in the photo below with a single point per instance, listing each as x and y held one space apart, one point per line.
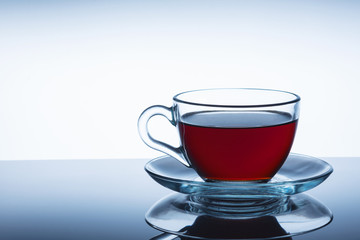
237 146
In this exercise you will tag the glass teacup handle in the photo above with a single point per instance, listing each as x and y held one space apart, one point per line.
144 118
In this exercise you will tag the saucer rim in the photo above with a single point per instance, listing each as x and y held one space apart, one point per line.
328 171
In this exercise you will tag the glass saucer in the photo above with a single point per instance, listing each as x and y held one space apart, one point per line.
179 215
298 174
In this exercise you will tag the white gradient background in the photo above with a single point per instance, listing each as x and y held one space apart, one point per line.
75 75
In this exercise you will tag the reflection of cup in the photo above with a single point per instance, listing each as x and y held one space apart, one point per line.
211 227
229 134
219 228
178 214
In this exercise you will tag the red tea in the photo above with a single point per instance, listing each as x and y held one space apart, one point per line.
237 146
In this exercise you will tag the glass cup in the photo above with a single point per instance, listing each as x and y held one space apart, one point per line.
234 134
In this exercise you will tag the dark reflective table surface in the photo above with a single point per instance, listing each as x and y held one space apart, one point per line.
107 199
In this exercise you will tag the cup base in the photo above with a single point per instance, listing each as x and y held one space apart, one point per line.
223 180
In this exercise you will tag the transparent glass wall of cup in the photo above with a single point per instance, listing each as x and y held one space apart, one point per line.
229 134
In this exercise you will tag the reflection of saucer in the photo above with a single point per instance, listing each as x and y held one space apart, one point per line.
177 214
298 174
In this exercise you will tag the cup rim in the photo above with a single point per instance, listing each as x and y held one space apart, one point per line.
296 98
